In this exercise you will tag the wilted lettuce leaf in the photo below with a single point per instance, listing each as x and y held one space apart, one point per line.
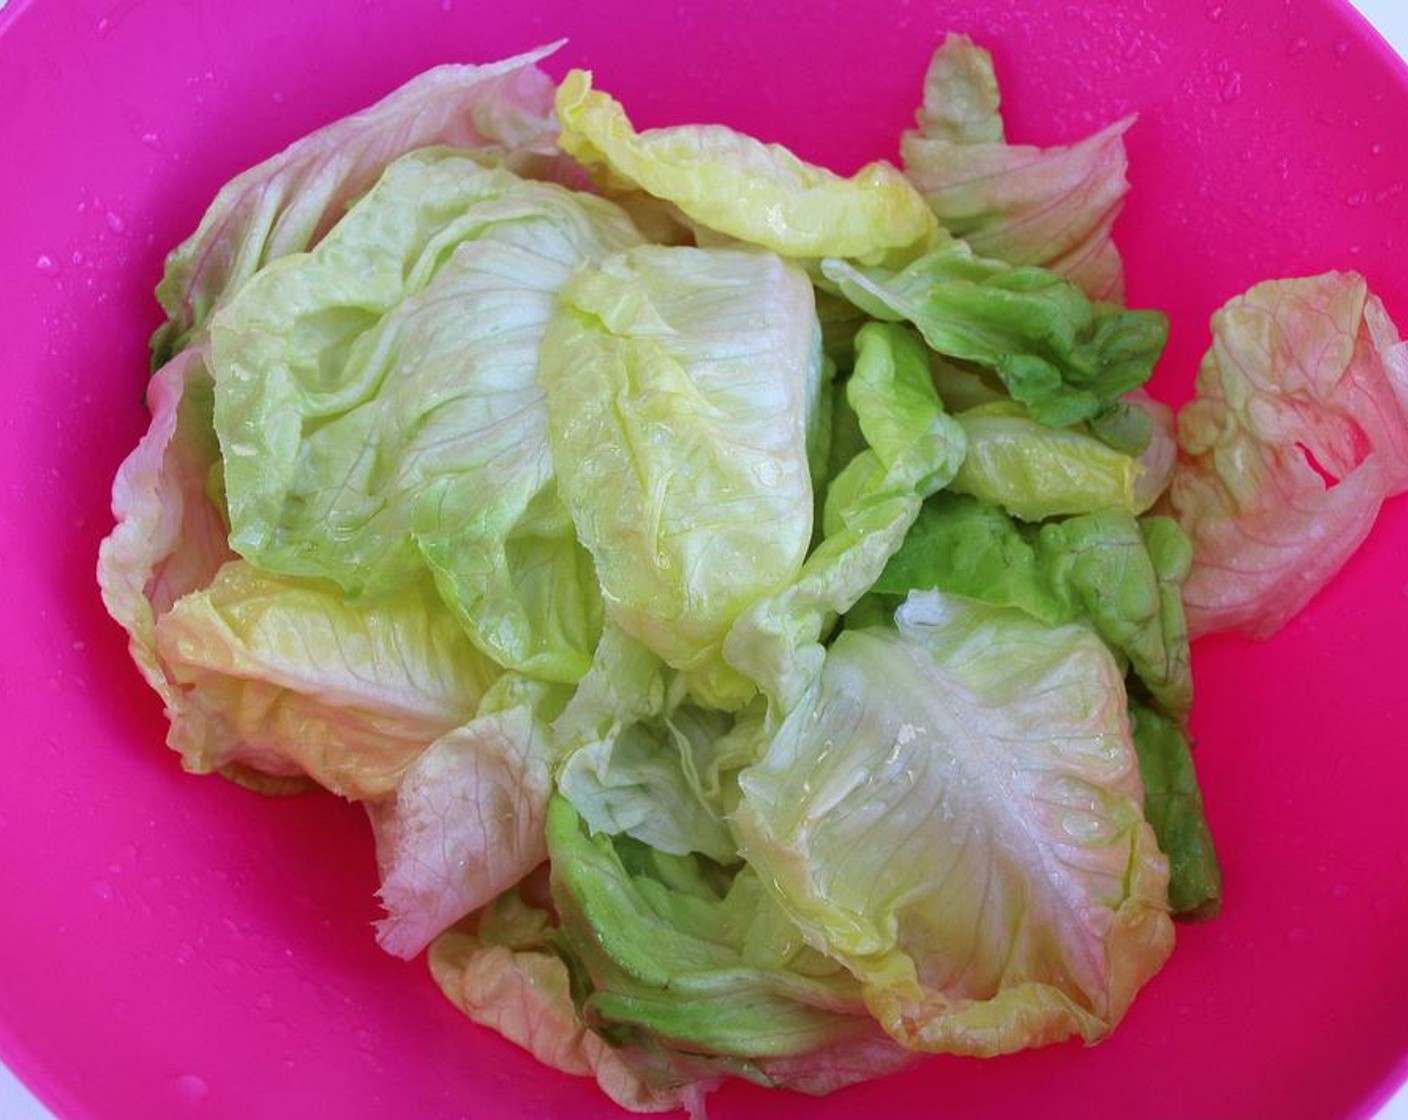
976 853
503 112
1029 206
1063 356
738 186
1305 379
679 383
378 405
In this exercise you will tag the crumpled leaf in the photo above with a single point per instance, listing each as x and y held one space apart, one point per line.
284 677
1305 378
1063 356
379 411
502 111
466 820
1053 207
740 187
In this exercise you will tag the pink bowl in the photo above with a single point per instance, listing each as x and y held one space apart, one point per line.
174 946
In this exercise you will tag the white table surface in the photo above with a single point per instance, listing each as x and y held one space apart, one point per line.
1391 18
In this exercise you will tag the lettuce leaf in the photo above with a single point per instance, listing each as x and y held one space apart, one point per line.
976 854
379 412
285 677
1035 471
740 187
913 449
282 206
504 975
466 820
1297 433
679 386
1053 207
1063 356
679 955
1173 804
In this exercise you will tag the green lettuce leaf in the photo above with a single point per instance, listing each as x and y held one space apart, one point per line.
504 975
285 677
1297 434
679 383
1053 207
690 956
502 111
740 187
1173 804
379 412
1063 356
1035 471
913 449
638 759
976 853
1119 575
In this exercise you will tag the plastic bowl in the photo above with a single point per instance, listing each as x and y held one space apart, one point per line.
175 946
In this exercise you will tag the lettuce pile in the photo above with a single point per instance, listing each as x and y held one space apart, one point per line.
752 604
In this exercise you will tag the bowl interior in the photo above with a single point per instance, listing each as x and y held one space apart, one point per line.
170 942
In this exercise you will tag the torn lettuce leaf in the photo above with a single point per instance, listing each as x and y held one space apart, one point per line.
1296 435
1053 207
681 386
502 112
740 187
1063 356
379 411
285 677
1173 805
466 820
976 853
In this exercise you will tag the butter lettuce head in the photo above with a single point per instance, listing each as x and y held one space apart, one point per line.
954 811
379 412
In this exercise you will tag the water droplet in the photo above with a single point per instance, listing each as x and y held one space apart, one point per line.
1376 149
1357 198
151 139
115 222
45 263
104 25
76 257
191 1088
1342 48
103 890
1214 11
1231 87
277 97
1298 46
